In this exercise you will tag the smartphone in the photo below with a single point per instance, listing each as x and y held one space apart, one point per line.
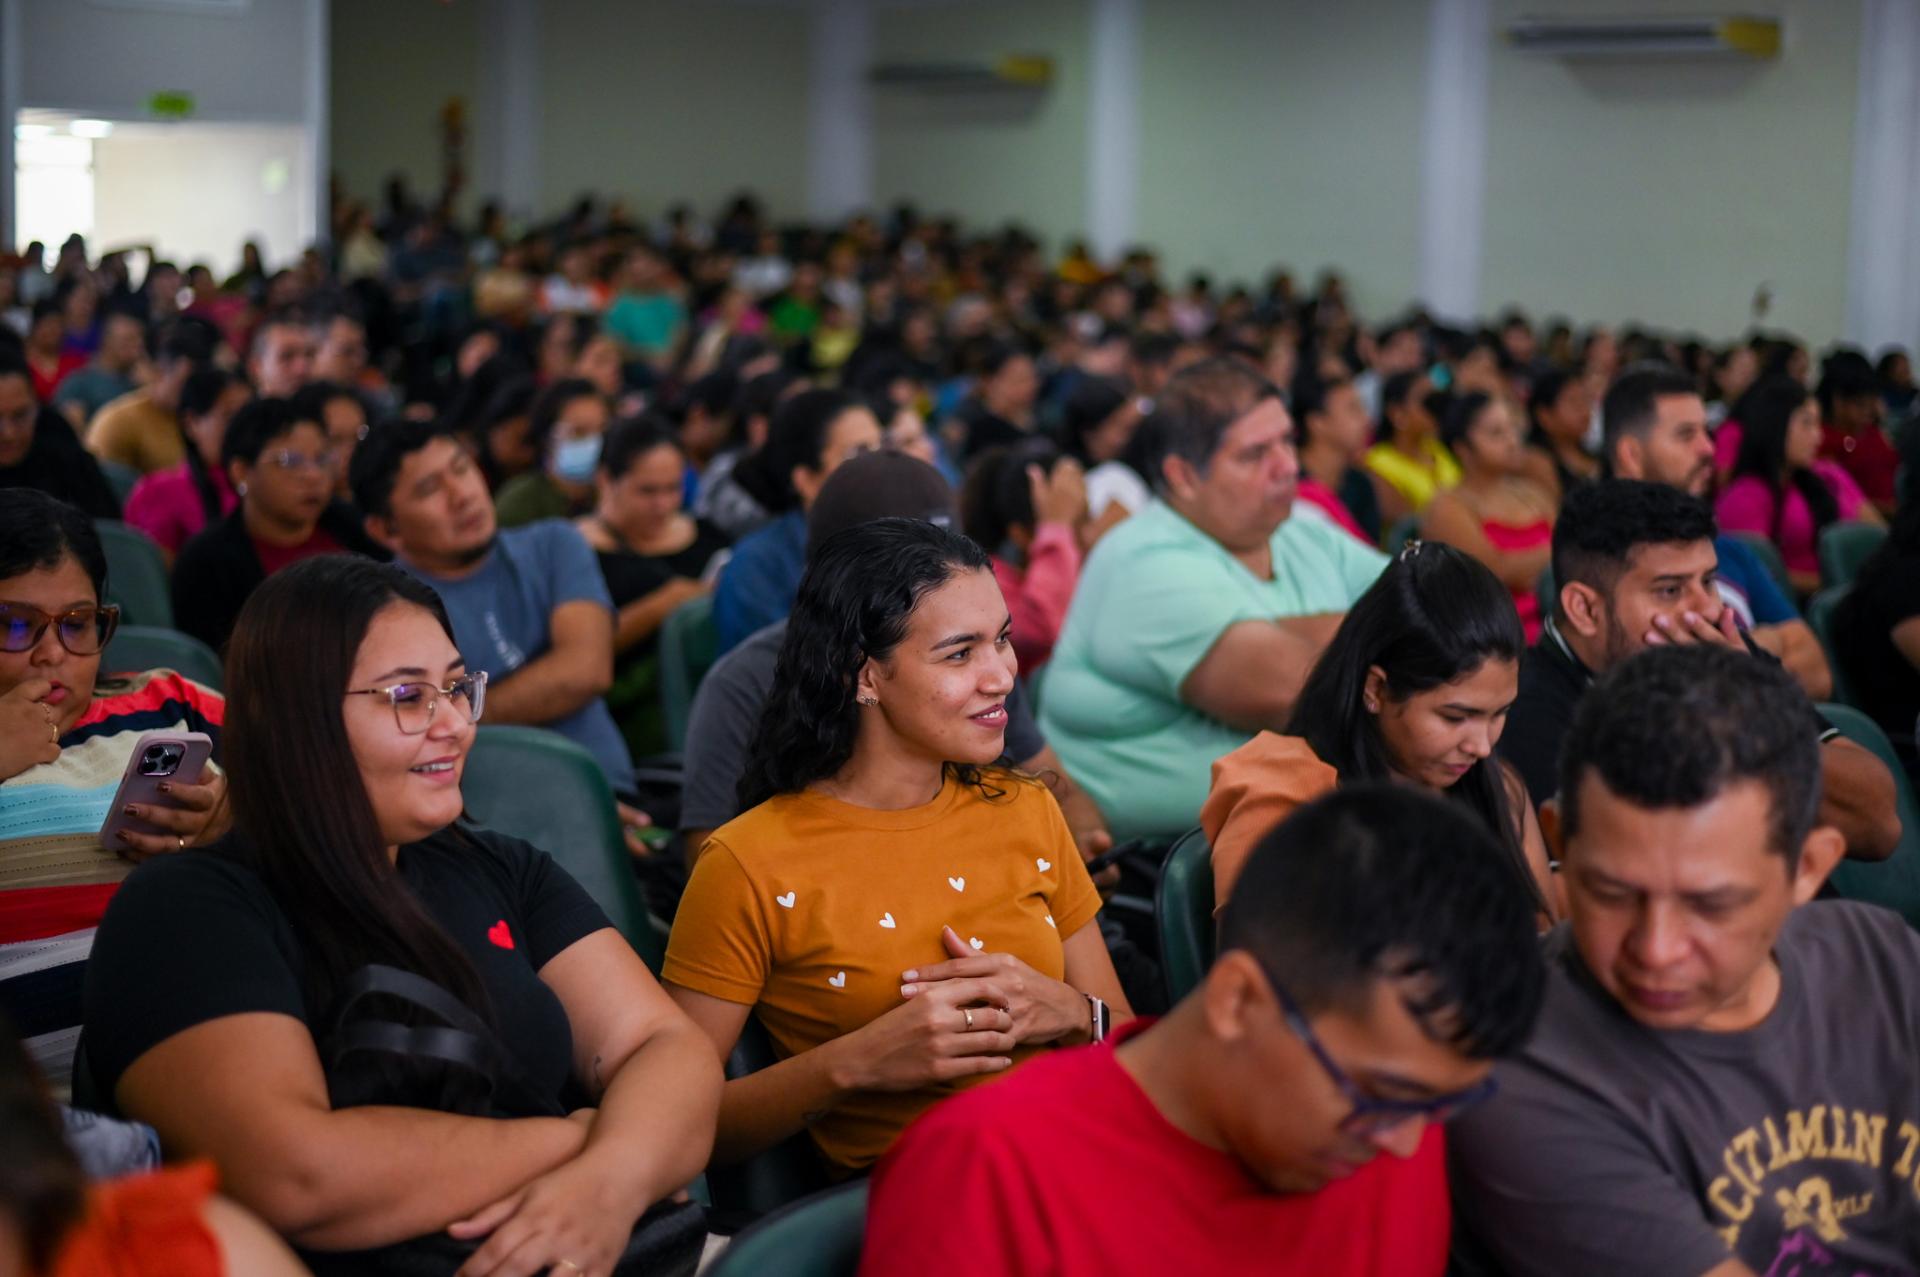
157 757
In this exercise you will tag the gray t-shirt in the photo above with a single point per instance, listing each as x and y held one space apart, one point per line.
727 708
503 617
1793 1146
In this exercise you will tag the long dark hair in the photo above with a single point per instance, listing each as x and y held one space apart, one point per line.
302 819
996 497
199 396
1764 414
861 587
1435 615
42 1189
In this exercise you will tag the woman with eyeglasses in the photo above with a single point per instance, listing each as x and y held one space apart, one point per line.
221 1001
66 733
342 414
281 463
1415 688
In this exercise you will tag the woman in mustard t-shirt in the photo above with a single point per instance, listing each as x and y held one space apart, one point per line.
905 915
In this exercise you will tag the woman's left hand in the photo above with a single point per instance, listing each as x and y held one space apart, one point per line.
569 1222
1043 1010
195 815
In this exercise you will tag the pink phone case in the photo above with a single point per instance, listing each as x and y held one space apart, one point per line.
157 757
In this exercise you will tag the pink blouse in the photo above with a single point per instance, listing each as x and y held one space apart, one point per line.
166 505
1037 598
1747 506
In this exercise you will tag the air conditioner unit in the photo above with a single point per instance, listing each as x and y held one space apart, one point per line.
1015 71
1741 36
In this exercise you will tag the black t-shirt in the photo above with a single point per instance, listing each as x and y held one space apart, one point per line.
1552 681
1885 682
634 576
195 937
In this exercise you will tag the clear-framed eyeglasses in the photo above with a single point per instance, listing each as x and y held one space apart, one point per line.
414 703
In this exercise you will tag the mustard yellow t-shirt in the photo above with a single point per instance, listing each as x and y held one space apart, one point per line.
135 431
808 909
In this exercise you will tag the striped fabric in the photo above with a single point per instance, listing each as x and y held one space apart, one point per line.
55 877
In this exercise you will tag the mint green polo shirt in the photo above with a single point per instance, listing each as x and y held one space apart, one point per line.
1153 598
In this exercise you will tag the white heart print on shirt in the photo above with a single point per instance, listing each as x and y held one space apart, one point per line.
958 884
838 981
786 901
887 921
1043 864
976 942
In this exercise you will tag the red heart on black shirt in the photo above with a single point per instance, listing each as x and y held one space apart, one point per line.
499 934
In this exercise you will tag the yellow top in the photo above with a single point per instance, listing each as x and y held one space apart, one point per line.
135 431
809 909
1416 483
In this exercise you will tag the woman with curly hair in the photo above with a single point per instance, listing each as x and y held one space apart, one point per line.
906 915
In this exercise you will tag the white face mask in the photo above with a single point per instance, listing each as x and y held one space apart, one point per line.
575 459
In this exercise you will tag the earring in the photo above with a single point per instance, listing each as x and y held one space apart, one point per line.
868 700
239 489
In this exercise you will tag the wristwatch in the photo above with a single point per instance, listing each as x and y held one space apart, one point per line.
1100 1018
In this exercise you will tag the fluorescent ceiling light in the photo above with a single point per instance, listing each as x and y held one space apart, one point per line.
26 132
91 128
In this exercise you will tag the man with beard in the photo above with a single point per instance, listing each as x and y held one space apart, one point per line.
1635 567
1655 428
528 605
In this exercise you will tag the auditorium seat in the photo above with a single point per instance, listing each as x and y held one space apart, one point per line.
136 575
536 785
769 1181
818 1236
1844 548
1183 911
689 645
1820 612
149 647
1895 881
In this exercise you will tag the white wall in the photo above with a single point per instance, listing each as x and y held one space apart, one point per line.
990 156
196 192
1284 133
1669 191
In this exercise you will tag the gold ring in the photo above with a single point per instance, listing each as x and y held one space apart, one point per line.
969 1014
182 840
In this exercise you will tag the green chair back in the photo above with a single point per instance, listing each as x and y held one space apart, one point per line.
1895 881
148 647
689 645
819 1236
1403 531
1769 555
1183 914
1844 547
1546 592
536 785
1820 615
120 477
136 575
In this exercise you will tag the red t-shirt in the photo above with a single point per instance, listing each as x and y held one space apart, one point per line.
1869 457
1066 1168
275 557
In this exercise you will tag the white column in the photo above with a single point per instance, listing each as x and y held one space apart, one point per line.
1453 175
1113 126
505 121
1883 260
319 106
11 65
840 111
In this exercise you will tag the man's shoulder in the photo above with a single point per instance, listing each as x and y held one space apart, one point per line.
1840 944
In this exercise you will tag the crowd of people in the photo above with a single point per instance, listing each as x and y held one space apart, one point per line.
1489 662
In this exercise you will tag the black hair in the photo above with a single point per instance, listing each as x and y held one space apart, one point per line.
376 463
1090 404
311 400
1462 412
1397 391
1632 403
628 441
996 497
203 388
42 1187
1672 727
1434 616
1601 524
546 410
714 394
39 531
302 818
257 424
796 437
1544 393
1194 410
1378 881
1765 413
861 587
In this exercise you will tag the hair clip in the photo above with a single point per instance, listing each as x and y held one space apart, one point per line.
1410 551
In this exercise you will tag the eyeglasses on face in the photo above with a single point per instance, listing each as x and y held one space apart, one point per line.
414 703
294 462
1372 1115
83 631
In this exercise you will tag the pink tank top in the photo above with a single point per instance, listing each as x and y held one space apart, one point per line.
1508 537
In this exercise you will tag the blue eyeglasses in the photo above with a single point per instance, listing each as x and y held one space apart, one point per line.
1372 1115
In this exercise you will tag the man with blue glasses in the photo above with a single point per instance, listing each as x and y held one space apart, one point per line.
1376 957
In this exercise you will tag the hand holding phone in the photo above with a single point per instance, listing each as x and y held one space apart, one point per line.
168 796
